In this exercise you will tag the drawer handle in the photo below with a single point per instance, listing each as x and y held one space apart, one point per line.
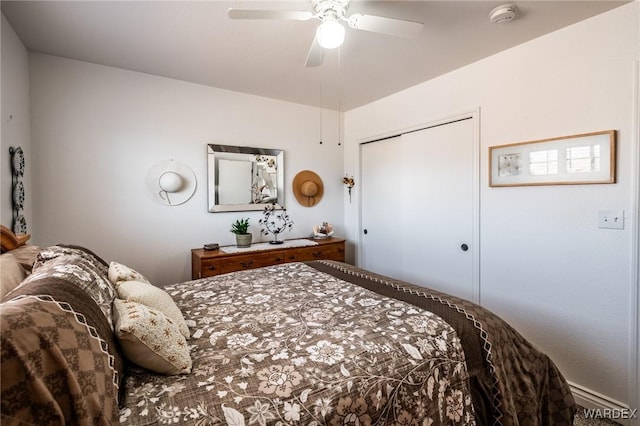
246 264
317 253
278 259
212 268
291 257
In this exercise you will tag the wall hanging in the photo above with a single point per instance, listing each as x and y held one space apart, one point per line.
17 173
171 182
308 188
586 158
348 180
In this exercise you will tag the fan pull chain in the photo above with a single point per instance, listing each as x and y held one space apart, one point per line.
319 70
321 108
339 91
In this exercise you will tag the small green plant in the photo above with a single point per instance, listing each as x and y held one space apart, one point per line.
240 226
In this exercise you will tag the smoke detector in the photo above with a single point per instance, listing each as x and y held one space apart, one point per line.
504 13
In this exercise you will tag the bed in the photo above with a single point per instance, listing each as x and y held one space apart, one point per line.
313 343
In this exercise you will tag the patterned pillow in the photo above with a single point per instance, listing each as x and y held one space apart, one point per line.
150 339
153 297
119 272
78 266
60 364
66 249
12 273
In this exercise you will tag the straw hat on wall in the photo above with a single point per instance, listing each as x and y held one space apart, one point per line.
308 188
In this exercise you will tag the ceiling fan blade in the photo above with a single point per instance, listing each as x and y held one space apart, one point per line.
291 15
316 55
389 26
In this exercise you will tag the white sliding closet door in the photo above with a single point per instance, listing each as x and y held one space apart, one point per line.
381 207
418 204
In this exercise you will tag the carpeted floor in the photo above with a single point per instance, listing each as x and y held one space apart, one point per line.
580 420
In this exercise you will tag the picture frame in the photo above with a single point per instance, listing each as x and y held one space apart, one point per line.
588 158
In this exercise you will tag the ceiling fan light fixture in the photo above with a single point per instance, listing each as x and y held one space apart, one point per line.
330 34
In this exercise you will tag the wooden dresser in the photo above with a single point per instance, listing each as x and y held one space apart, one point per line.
215 262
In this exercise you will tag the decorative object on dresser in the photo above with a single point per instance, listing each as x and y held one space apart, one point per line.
171 182
241 228
308 188
275 222
206 263
211 246
323 231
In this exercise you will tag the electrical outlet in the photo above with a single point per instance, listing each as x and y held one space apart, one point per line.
611 219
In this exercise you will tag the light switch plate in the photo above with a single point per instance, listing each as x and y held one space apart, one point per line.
611 219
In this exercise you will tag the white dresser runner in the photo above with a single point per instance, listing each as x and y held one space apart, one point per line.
268 246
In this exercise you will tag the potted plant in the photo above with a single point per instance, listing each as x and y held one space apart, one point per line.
240 227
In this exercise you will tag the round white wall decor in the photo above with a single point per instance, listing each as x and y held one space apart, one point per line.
171 182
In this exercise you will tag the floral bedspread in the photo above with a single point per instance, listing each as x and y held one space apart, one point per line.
291 345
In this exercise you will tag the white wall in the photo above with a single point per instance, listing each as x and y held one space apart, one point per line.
545 266
98 130
14 120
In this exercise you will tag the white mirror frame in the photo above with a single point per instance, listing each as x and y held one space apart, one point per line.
218 153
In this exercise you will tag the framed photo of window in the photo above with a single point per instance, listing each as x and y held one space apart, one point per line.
588 158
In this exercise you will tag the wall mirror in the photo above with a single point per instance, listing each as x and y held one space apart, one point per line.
242 178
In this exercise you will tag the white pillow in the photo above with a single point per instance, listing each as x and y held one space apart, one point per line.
119 272
153 297
150 339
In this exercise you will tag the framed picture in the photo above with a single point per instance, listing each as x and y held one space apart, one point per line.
588 158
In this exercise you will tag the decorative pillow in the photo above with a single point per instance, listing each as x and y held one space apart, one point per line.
74 250
26 255
153 297
11 273
119 272
60 363
150 339
80 267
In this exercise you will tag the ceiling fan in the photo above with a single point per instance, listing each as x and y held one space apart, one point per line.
330 33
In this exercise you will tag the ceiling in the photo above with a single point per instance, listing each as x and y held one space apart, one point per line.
195 41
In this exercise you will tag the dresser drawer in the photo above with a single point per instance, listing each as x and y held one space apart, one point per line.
250 261
210 267
324 252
